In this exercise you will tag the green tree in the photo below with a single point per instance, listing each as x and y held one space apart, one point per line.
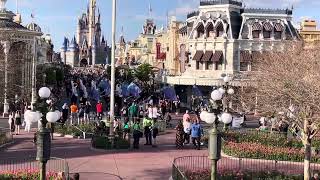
143 74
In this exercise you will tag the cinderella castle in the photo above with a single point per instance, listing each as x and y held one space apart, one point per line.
88 47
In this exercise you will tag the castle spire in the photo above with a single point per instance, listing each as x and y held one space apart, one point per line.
150 11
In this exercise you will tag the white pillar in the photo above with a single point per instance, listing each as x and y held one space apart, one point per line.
6 54
112 98
34 71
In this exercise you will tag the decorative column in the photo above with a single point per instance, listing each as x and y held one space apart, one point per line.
34 71
6 46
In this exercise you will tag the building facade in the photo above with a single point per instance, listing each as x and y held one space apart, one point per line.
309 33
166 47
140 50
89 46
18 52
224 37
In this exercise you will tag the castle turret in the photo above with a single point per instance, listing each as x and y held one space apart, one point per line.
94 52
63 50
73 56
79 30
92 21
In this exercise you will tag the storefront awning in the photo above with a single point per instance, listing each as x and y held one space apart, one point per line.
207 56
198 56
217 56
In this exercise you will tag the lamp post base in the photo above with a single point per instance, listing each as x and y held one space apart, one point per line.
43 170
214 169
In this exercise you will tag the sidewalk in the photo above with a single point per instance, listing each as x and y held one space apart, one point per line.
145 163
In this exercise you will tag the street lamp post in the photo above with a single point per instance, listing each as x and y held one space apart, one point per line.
43 135
113 71
215 112
6 54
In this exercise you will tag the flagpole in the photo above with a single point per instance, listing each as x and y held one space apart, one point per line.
112 94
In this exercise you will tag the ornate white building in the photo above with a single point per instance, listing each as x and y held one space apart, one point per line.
88 47
224 37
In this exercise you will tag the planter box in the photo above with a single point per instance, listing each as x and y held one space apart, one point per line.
57 135
69 136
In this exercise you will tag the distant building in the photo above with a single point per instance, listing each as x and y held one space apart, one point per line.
224 37
89 46
309 33
167 49
142 49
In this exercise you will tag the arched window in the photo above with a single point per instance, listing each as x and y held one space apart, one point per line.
256 30
267 29
200 31
219 29
210 30
278 29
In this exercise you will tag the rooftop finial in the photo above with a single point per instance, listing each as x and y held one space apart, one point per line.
3 4
150 10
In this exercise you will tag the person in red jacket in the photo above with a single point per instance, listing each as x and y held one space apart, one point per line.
99 108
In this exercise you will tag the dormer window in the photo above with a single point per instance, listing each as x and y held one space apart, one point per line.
200 31
210 30
278 29
267 29
220 29
256 30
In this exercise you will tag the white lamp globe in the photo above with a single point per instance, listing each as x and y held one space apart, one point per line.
222 90
210 118
58 114
230 91
226 118
44 92
216 95
203 115
52 117
227 79
34 116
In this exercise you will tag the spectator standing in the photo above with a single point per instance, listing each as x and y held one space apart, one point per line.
186 117
74 111
11 122
65 113
133 110
179 135
147 125
196 131
18 122
81 115
87 109
155 132
99 108
137 134
187 130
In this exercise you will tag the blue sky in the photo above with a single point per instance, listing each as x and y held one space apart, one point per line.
59 17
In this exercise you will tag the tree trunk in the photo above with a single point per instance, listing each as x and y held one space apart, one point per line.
307 159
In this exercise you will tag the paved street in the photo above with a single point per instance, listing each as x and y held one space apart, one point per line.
145 163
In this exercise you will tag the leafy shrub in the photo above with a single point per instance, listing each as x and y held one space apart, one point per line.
103 142
264 145
26 175
247 175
